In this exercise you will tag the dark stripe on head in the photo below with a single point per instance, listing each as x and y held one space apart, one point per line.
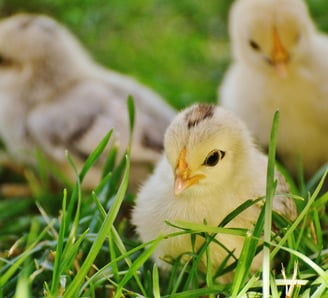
199 113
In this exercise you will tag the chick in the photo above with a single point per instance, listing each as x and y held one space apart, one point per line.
280 63
54 97
210 167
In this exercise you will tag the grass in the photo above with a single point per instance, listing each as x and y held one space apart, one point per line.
88 249
70 243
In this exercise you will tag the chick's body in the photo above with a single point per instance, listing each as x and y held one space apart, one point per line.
279 63
226 180
54 97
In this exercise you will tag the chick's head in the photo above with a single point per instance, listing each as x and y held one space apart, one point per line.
271 35
37 53
207 148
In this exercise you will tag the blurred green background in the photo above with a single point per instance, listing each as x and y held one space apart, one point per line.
177 47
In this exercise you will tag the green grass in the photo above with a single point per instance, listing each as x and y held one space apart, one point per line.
88 249
72 243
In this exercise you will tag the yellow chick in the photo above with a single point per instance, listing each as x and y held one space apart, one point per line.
279 62
210 167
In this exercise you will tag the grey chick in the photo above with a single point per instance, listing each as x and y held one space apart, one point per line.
54 97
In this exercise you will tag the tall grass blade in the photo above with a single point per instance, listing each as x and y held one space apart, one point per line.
131 110
94 156
270 189
156 286
59 248
247 254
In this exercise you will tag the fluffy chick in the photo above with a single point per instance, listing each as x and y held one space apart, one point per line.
53 96
209 168
280 63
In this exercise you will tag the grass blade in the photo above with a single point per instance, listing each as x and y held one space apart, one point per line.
59 248
94 156
131 110
156 286
270 189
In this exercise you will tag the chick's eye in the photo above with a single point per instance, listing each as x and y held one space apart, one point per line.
2 60
254 45
213 158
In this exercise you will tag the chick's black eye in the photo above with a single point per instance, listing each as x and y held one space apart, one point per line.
254 45
213 158
4 61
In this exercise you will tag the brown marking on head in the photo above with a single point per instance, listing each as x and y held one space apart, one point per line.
199 113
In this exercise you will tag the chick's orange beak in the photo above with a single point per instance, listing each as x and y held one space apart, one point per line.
183 175
279 55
